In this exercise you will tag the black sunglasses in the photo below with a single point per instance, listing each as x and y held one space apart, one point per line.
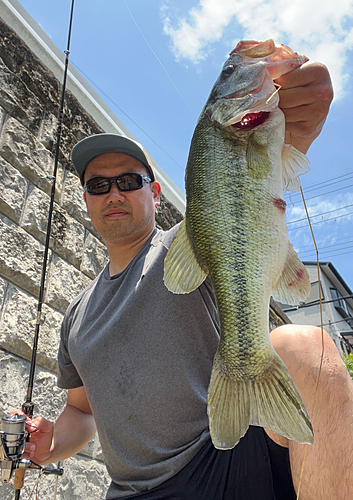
124 182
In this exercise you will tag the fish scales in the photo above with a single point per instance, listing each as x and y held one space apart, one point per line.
228 236
235 231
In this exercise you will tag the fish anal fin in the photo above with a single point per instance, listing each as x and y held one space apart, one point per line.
294 164
294 284
182 272
269 400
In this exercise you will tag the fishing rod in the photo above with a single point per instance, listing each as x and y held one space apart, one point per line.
13 434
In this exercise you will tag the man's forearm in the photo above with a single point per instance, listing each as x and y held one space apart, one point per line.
72 431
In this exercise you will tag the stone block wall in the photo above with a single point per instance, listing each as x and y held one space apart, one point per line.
29 97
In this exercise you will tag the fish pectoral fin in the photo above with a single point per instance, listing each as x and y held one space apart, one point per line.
294 284
269 400
182 272
294 164
257 157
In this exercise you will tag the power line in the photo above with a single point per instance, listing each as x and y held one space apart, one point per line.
122 111
323 194
327 184
317 302
160 62
318 215
331 252
321 221
327 246
329 180
313 187
336 255
350 318
319 244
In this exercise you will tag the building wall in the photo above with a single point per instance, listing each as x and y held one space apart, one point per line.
332 320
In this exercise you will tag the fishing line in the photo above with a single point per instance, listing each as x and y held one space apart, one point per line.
322 336
56 482
322 342
35 488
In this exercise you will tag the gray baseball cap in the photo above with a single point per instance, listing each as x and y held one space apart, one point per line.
98 144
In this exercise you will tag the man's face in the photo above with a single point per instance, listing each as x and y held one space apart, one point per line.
121 217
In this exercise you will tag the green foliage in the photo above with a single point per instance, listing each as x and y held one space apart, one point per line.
349 363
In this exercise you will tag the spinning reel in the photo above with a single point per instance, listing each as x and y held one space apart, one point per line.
12 445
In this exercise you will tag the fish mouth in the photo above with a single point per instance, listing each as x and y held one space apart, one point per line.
251 120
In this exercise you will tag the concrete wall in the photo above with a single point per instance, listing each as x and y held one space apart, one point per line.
29 97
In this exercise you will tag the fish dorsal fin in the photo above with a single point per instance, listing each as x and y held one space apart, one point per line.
182 272
294 164
294 284
257 156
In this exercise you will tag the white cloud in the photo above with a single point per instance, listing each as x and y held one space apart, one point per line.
321 29
331 208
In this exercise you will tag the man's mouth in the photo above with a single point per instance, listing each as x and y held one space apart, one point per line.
252 120
115 213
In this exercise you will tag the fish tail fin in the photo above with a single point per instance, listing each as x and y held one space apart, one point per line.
268 400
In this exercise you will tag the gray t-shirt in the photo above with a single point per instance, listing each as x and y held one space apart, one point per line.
144 356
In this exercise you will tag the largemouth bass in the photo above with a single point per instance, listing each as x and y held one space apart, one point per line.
235 231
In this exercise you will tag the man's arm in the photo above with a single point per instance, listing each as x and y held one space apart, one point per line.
72 431
305 99
328 468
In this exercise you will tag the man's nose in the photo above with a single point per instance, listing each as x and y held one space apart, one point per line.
115 193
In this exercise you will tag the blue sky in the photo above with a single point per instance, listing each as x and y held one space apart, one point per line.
158 60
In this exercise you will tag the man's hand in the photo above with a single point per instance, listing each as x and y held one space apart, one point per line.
305 99
41 438
40 445
72 431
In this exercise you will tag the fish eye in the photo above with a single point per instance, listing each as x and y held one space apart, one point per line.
228 70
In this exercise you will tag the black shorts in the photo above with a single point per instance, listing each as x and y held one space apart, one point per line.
256 469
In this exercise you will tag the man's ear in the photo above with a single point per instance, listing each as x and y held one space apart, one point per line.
85 198
156 191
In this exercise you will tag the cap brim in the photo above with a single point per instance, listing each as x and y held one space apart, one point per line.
91 147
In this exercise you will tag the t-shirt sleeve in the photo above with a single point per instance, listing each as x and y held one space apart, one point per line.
68 378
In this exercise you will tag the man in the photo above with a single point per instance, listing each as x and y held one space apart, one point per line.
136 359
